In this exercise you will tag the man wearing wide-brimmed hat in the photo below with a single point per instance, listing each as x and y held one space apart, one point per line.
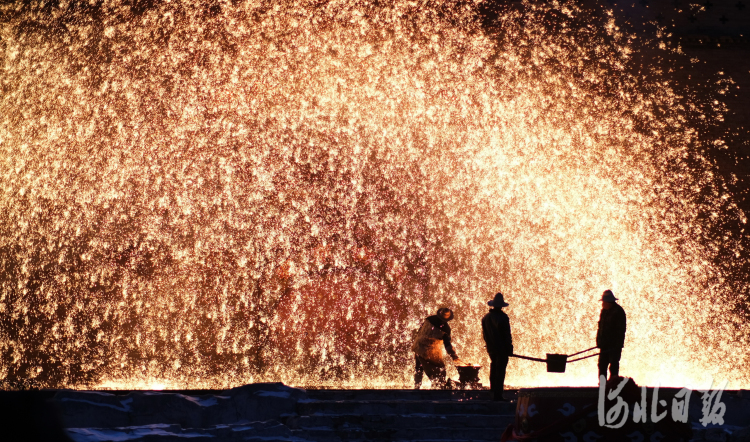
497 336
434 334
610 338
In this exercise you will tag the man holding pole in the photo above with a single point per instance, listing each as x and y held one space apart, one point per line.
497 336
610 337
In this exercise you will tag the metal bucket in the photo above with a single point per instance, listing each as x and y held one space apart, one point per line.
556 363
468 376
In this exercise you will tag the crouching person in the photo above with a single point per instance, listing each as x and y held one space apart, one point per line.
432 336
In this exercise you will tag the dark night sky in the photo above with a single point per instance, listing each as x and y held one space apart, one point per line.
715 37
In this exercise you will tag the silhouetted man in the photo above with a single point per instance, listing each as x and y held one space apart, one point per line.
434 334
496 332
610 337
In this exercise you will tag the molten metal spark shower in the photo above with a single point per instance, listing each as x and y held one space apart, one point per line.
282 191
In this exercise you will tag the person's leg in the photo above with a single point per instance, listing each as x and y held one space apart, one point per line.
614 363
603 362
418 372
493 378
500 365
435 372
441 378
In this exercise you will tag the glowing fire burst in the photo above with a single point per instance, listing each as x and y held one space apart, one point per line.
282 191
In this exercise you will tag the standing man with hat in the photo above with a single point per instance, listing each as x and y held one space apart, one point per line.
610 337
428 354
496 332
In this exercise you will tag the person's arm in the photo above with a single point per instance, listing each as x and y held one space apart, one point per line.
621 327
508 336
448 345
487 334
490 336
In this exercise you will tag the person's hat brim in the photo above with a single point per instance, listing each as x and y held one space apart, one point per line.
491 303
439 314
